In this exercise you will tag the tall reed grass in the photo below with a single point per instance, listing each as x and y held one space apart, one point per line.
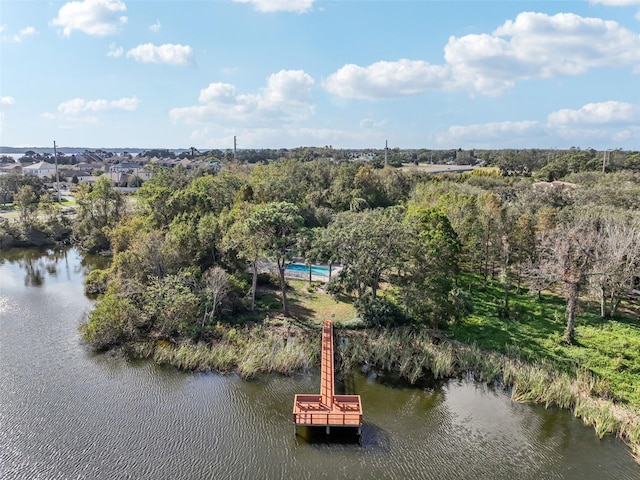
250 352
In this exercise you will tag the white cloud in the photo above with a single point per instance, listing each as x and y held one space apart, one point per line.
68 122
7 101
267 6
169 54
371 123
156 26
93 17
18 37
603 113
387 79
617 3
533 46
537 45
114 51
218 93
490 133
609 122
79 106
286 98
128 104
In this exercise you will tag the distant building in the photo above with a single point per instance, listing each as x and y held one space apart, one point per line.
11 167
41 169
125 167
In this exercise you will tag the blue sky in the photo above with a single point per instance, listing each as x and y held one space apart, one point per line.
351 74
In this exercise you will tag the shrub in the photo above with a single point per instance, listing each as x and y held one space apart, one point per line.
111 323
96 282
378 311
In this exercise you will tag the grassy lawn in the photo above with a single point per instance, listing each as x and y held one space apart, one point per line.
317 305
608 348
308 307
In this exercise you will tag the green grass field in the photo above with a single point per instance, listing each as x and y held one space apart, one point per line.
610 348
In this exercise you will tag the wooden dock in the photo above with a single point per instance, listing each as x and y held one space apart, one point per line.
327 409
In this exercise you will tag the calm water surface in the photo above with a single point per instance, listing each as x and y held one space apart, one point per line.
68 414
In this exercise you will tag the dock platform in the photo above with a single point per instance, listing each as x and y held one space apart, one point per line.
327 409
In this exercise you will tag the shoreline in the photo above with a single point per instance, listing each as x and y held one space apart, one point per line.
411 355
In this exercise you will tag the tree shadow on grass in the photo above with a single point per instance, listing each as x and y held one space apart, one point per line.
301 312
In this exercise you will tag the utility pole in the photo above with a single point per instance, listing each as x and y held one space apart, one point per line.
606 156
386 155
55 156
234 149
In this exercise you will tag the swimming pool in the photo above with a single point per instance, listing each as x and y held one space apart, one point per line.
315 269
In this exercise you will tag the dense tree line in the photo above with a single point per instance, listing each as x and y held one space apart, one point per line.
192 242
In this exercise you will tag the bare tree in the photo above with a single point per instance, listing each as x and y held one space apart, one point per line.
616 260
566 257
217 287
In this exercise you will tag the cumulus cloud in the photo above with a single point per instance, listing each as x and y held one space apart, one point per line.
267 6
21 35
606 122
537 45
93 17
168 53
286 98
156 26
603 113
7 101
387 79
533 46
114 51
78 106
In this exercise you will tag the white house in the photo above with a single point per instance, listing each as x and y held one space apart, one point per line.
41 169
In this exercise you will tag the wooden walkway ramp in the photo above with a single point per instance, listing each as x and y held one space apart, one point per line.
327 409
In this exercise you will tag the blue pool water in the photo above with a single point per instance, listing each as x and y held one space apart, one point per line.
315 269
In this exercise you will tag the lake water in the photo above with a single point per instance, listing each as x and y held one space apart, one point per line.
69 414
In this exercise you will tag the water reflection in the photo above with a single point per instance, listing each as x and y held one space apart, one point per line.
39 264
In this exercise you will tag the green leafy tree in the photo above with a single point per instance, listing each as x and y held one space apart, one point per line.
11 182
426 275
277 224
246 241
170 307
368 245
99 209
25 199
